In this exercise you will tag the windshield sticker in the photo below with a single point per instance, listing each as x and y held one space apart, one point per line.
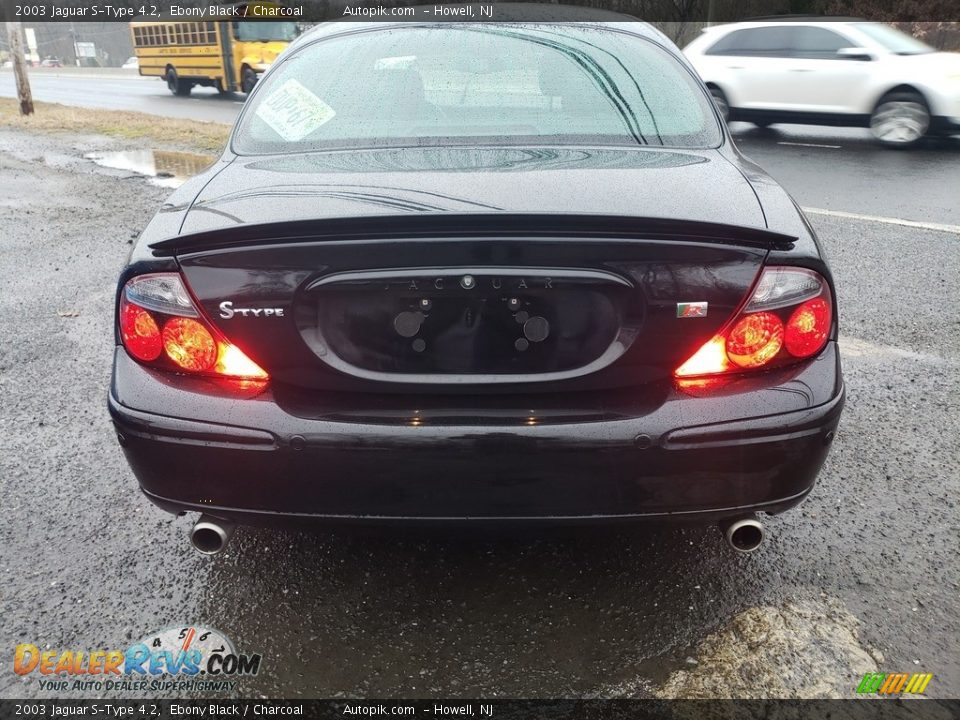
293 112
400 62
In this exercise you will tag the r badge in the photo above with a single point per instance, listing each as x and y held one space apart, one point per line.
692 309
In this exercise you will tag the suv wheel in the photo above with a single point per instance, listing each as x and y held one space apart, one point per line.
901 119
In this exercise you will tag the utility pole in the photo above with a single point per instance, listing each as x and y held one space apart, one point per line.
15 34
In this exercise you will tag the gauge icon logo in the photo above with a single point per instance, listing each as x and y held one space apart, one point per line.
189 650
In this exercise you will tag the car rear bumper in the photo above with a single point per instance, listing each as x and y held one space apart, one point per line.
754 445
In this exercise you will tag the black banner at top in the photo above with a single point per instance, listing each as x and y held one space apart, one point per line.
41 11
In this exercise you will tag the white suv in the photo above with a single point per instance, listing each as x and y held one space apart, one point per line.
831 73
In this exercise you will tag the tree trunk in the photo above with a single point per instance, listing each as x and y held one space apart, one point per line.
15 35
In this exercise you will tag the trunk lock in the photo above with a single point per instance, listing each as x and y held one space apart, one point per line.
535 329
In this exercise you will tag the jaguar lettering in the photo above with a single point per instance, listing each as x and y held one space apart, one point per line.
469 282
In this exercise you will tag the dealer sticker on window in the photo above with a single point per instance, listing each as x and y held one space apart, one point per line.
293 112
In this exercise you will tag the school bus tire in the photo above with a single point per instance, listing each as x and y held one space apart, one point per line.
248 79
178 86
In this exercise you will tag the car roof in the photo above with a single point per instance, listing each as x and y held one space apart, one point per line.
532 13
785 21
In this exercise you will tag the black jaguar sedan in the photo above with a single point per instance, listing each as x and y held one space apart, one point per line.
477 273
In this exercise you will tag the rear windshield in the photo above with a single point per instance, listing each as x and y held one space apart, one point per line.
456 85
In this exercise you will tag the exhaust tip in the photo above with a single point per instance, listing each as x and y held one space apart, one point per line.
210 535
744 535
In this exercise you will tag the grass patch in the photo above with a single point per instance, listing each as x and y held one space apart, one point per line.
52 118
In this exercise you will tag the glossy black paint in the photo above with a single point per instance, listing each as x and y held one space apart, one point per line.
756 444
644 341
349 428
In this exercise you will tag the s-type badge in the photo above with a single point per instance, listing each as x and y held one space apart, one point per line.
692 309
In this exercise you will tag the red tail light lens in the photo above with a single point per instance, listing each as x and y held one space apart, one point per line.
160 325
189 344
755 339
140 333
808 328
710 359
788 317
231 361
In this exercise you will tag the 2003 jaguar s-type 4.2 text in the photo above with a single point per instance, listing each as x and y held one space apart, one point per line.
477 273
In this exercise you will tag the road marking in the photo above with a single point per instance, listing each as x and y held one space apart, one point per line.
939 227
799 144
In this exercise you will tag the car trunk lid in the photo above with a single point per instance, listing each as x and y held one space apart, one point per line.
330 275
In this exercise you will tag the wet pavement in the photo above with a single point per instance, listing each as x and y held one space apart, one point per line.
863 575
126 92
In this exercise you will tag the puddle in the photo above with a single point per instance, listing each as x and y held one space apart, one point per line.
164 168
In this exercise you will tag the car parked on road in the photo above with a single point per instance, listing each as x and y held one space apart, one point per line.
849 73
477 273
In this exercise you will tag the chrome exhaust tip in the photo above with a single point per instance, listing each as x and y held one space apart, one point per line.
210 535
744 534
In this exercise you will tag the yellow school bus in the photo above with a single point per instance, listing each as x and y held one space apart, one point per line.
226 55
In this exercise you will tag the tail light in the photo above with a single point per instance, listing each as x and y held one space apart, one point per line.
788 317
161 326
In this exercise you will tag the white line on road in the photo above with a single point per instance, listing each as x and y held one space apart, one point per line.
887 220
800 144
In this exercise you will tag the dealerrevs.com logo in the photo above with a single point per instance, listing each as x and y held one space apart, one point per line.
180 658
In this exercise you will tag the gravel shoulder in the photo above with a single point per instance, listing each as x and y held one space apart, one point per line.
122 126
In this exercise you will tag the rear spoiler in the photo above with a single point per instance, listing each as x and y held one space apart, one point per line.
475 226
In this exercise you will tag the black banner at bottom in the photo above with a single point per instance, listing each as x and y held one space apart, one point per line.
138 709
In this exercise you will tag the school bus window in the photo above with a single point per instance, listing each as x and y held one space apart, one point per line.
222 50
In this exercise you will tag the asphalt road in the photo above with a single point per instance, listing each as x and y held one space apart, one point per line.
125 91
862 577
836 169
